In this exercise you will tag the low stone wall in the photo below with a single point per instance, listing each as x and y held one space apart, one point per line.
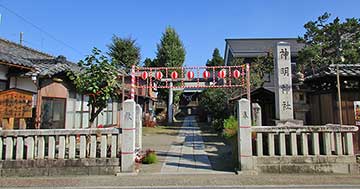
309 164
57 167
294 148
44 152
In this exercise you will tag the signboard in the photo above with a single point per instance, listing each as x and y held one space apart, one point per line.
357 112
15 103
283 92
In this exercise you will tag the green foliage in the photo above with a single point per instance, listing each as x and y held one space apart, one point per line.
97 79
149 63
216 60
214 102
230 127
124 52
259 68
150 157
218 124
170 51
328 42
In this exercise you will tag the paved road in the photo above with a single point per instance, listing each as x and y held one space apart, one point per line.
211 187
187 154
188 181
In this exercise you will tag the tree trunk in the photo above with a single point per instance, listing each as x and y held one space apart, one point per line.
93 115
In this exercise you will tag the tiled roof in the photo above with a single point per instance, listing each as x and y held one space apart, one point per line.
11 59
18 50
41 63
254 47
345 70
49 67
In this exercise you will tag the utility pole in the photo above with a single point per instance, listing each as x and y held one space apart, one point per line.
341 58
21 38
339 93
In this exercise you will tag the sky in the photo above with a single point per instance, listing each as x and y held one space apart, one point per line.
73 27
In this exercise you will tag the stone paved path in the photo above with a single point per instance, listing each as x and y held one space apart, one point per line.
187 154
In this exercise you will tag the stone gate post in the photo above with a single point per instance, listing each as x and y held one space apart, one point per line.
244 135
138 141
128 137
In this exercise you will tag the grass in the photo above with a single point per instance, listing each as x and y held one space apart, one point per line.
150 158
167 130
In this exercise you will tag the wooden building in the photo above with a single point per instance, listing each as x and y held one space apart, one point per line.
55 101
323 96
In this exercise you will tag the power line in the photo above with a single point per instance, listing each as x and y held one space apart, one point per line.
41 30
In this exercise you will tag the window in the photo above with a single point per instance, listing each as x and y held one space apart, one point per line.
53 113
3 85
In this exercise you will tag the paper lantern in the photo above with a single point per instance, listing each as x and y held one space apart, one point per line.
236 74
222 74
206 74
158 75
190 74
144 75
174 75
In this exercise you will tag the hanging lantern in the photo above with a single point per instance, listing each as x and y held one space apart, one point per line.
144 75
236 74
206 74
174 75
158 75
222 74
190 74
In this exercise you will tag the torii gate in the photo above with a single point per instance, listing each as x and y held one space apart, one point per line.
204 76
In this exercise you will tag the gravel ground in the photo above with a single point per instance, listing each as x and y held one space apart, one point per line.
160 140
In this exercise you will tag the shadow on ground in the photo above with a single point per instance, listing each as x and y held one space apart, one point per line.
218 149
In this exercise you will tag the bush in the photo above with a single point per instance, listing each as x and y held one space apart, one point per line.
217 124
230 127
150 157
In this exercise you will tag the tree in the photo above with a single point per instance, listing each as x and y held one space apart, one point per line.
124 52
170 51
149 63
330 42
97 78
216 60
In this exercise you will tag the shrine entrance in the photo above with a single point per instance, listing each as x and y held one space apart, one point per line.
187 152
191 80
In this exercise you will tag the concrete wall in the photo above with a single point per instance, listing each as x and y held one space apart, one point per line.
58 167
309 164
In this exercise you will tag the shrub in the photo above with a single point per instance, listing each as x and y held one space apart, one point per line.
230 127
217 124
150 157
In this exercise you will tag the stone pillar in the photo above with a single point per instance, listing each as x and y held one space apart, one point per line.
138 141
170 103
256 114
244 135
128 137
283 82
